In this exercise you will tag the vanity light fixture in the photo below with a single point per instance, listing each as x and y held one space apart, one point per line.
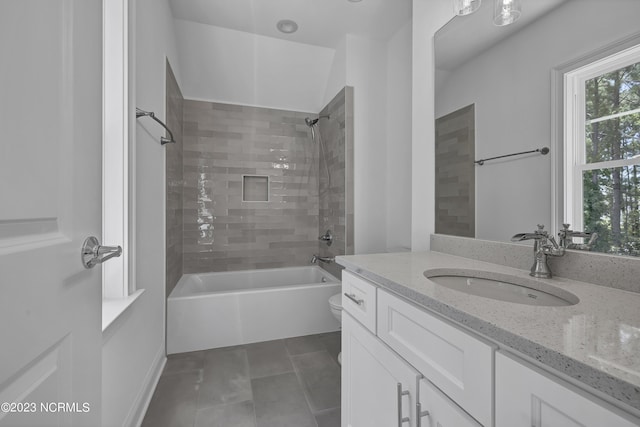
506 12
287 26
466 7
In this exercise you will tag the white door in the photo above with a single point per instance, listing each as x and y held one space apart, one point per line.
50 201
378 388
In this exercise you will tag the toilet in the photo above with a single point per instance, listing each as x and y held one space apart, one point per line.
335 304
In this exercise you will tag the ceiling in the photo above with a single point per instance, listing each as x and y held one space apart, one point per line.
467 36
321 22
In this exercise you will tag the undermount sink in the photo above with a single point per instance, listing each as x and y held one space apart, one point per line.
502 287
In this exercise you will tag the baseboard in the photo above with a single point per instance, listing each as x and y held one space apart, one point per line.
141 403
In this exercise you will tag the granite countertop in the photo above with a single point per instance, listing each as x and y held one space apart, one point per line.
596 341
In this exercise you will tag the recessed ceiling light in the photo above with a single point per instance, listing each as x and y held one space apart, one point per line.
355 1
287 26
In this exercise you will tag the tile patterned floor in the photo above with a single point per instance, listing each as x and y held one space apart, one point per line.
284 383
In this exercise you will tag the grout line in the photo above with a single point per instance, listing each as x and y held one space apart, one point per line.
253 404
197 402
304 391
292 370
324 411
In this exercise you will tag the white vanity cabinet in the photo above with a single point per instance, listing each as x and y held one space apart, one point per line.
397 356
526 397
385 377
380 389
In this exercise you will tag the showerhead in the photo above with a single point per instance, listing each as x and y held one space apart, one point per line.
311 122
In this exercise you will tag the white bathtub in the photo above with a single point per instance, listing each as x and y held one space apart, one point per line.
212 310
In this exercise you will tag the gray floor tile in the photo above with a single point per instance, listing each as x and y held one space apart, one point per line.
320 377
184 362
279 402
268 358
233 415
332 343
329 418
253 385
225 378
306 344
174 401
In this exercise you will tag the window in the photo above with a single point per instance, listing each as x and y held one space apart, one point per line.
118 291
602 151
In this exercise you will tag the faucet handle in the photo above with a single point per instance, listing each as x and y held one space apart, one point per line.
541 230
327 237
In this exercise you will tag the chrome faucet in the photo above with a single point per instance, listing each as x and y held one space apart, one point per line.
544 246
566 238
326 259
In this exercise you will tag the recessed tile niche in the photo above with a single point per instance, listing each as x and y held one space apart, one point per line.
255 188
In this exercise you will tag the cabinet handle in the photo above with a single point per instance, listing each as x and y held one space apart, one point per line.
353 298
401 393
419 412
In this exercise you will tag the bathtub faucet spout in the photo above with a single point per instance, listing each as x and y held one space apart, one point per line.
326 259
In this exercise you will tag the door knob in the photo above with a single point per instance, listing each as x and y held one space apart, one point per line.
93 253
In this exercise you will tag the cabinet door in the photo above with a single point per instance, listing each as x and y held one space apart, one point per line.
440 411
371 373
528 398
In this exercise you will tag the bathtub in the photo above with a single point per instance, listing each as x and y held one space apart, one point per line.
212 310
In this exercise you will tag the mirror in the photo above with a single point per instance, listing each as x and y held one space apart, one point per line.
505 77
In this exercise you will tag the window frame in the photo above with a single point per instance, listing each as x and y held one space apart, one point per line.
118 158
574 154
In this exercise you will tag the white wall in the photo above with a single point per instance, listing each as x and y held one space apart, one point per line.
428 16
398 152
380 74
134 346
338 73
235 67
367 73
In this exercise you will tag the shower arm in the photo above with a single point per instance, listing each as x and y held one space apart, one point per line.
163 140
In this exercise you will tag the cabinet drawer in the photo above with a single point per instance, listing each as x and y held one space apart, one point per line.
361 299
527 397
457 363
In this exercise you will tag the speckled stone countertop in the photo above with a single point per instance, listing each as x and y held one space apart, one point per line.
596 341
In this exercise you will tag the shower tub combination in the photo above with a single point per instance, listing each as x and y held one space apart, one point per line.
212 310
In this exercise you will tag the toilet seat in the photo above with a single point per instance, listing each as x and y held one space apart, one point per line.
336 301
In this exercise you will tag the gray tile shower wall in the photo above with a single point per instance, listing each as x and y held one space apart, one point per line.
455 173
174 182
335 160
222 144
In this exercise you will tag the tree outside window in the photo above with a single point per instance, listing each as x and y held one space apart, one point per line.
604 170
